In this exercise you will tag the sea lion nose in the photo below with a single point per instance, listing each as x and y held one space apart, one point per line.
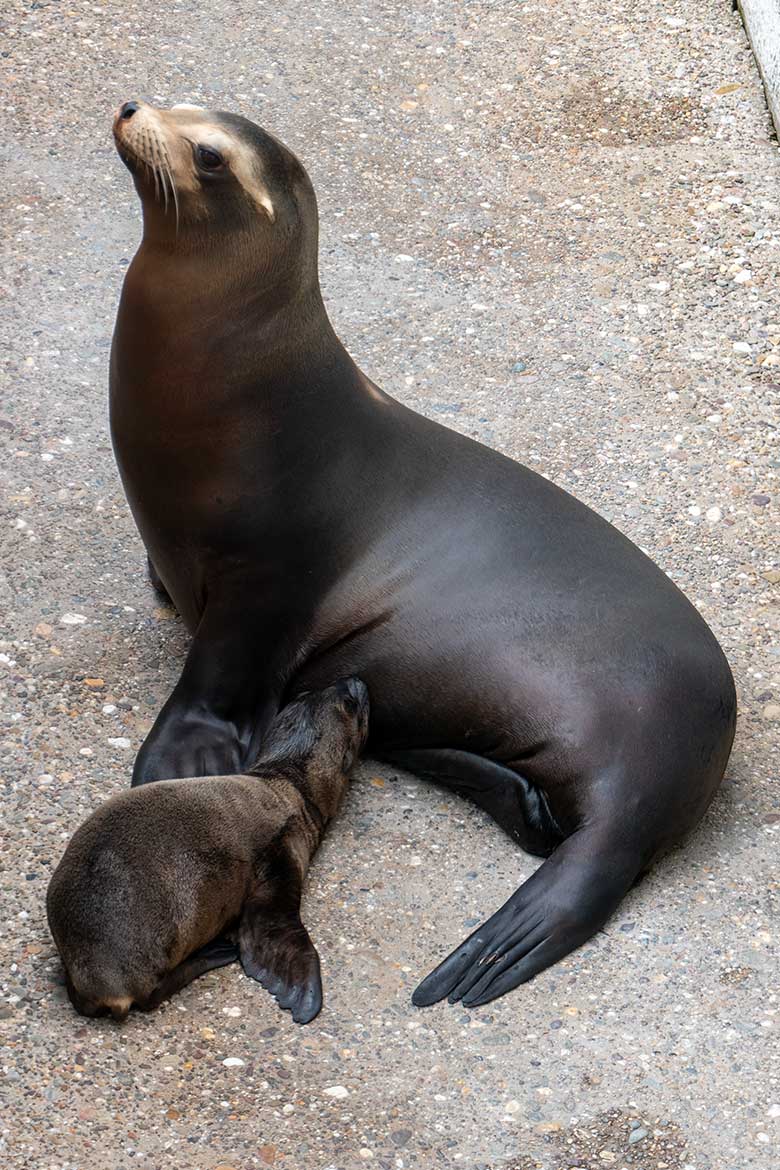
127 110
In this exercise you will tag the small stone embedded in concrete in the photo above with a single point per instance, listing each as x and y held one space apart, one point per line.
636 1135
73 619
233 1062
336 1091
608 163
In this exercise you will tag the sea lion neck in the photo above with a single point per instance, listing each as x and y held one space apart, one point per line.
191 284
263 329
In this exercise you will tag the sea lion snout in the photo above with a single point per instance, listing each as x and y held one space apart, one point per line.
350 700
96 1006
354 695
125 113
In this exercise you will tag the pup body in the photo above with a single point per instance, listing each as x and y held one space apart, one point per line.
151 881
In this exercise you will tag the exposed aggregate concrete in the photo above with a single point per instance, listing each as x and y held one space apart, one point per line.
555 227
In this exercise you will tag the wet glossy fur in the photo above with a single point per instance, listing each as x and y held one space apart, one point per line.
518 648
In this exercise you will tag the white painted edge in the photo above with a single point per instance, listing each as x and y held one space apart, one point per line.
762 21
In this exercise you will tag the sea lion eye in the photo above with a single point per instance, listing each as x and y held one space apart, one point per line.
349 704
209 159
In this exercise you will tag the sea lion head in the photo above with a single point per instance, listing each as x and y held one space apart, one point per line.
320 731
214 174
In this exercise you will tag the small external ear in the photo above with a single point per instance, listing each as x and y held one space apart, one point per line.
250 177
276 951
263 200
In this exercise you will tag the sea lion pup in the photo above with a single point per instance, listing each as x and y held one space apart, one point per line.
149 884
517 647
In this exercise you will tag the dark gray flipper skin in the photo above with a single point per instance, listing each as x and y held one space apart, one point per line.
307 527
276 951
519 807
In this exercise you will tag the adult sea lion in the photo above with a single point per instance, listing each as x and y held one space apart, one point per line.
517 647
148 885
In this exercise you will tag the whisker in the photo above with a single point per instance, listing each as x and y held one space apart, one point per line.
167 164
158 165
150 150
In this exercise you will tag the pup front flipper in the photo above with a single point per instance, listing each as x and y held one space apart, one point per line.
276 950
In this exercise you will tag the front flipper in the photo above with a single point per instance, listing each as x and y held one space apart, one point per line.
218 953
558 909
188 739
214 721
276 951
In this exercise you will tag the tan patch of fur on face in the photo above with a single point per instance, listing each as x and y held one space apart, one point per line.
175 131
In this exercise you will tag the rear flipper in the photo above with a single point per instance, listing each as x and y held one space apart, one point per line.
558 909
519 807
276 951
218 953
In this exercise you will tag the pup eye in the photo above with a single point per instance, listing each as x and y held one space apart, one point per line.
349 705
210 160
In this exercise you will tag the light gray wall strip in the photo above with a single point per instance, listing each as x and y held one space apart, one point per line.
762 21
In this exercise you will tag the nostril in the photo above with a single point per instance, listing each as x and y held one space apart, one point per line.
127 110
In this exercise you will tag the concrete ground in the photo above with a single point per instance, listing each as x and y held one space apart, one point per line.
554 227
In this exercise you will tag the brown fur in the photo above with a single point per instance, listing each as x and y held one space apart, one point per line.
157 874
